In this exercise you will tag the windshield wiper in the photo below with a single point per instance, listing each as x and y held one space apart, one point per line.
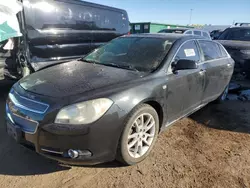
89 61
128 67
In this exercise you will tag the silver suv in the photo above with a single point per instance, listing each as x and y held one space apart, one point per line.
187 31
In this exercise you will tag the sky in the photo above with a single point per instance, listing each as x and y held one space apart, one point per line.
216 12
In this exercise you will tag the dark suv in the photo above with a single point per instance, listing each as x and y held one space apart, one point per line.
59 30
237 42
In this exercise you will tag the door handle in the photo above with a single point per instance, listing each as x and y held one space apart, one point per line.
202 72
229 65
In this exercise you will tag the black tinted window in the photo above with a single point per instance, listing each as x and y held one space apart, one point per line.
78 16
197 33
141 53
205 35
188 51
210 50
242 34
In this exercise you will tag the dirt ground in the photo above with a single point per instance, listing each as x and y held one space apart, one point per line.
209 149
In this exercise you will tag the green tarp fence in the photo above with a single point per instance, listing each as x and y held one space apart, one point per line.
9 26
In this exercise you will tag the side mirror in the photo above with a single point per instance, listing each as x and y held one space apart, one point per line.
184 64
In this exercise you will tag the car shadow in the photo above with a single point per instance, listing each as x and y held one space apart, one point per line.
15 159
230 115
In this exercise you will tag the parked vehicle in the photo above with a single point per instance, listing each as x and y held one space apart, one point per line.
112 103
187 31
237 42
60 30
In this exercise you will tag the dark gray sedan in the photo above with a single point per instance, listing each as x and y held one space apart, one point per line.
112 103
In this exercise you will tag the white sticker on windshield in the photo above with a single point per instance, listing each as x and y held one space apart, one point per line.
189 52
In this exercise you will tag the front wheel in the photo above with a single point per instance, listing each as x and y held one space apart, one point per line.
139 135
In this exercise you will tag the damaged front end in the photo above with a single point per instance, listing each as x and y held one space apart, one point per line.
13 55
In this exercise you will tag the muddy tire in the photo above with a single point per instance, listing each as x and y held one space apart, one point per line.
139 135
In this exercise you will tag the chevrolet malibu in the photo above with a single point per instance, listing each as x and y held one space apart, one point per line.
112 103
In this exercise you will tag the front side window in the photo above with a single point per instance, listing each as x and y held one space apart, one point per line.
210 50
197 33
188 51
135 53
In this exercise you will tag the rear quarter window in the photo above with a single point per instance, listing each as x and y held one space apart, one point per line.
205 35
211 50
223 51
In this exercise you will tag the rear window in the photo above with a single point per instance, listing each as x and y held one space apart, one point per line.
189 33
210 50
62 15
241 34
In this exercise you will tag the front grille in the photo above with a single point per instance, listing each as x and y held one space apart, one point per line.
27 104
25 112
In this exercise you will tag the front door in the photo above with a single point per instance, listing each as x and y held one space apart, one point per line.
185 89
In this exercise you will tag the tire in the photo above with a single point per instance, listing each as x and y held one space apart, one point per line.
141 139
223 96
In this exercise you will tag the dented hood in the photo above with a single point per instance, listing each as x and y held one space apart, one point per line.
75 77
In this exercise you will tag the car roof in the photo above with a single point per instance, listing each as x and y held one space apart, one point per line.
169 36
185 29
182 29
239 27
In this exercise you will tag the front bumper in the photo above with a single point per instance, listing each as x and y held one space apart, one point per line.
97 142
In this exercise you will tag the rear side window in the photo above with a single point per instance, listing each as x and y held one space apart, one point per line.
205 35
210 50
188 51
223 51
197 33
189 33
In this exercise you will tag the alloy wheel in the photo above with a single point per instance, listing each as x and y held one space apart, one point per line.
141 135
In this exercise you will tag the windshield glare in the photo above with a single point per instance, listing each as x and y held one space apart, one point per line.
135 53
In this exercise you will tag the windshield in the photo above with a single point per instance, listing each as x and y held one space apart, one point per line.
134 53
242 34
172 31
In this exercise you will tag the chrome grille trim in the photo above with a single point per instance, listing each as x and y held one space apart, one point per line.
18 104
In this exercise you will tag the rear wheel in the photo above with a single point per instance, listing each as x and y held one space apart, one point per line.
139 135
223 96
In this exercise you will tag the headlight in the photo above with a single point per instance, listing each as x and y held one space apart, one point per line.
84 112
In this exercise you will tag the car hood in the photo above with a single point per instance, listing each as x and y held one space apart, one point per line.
232 44
75 77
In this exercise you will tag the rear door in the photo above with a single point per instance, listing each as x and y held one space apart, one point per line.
218 69
185 89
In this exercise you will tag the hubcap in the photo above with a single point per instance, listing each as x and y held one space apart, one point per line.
141 135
